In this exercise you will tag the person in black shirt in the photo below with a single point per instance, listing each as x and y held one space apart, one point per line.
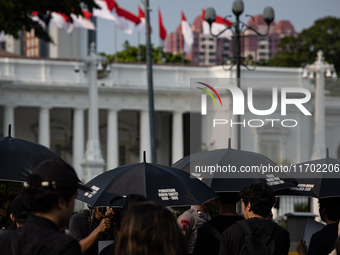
49 195
322 242
88 230
207 242
257 202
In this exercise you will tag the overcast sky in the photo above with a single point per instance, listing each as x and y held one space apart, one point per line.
302 14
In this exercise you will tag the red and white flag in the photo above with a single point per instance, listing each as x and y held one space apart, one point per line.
162 30
187 33
141 16
61 21
83 22
217 26
106 7
36 18
126 20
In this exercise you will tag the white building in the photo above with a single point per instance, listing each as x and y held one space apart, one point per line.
46 102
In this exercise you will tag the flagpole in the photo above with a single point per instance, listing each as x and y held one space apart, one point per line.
150 83
160 50
115 43
138 38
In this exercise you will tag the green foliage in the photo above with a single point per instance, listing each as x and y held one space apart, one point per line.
301 207
16 14
130 54
297 51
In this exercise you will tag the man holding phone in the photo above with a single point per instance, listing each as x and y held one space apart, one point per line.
92 226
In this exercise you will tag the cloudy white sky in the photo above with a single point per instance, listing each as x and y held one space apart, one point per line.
302 14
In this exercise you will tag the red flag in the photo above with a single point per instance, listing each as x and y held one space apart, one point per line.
127 15
141 13
162 30
217 26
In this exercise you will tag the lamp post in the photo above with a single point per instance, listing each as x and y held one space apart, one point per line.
93 162
238 7
320 68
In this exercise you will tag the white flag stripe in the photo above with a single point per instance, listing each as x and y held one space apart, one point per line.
82 22
188 36
104 12
215 29
59 21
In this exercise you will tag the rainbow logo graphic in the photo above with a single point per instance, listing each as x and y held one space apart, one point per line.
204 97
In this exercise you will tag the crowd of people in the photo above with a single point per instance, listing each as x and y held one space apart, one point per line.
44 223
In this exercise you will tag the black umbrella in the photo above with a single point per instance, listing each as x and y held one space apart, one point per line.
316 178
162 184
19 157
238 161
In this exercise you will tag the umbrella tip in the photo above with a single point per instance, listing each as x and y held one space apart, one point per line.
327 153
229 142
144 156
9 130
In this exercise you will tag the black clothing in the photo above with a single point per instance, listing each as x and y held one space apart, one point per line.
323 241
109 250
76 228
38 236
233 238
13 226
206 243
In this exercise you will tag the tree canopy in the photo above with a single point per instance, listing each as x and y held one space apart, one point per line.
296 51
17 14
130 54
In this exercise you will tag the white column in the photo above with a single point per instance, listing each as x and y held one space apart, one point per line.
319 148
177 136
93 162
44 126
8 120
78 140
145 143
112 139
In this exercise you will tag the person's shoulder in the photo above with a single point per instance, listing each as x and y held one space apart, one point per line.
281 229
234 229
186 214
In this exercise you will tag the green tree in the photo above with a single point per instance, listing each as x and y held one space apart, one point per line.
323 35
130 54
17 14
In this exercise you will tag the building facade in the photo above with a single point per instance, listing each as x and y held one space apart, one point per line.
45 101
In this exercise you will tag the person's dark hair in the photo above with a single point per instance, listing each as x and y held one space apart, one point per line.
229 197
332 207
149 228
42 199
130 201
260 196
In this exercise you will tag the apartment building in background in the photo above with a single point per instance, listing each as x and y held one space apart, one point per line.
208 50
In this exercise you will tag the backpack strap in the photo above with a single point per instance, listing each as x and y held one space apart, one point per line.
212 231
86 222
269 228
245 226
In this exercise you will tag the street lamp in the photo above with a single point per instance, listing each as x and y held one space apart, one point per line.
93 162
320 68
238 7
